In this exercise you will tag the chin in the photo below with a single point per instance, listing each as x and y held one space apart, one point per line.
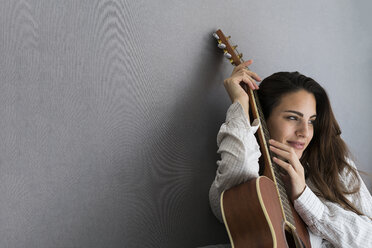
299 154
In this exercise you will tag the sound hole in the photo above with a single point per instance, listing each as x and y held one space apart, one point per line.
291 240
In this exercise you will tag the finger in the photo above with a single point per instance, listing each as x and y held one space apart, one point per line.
247 63
246 71
249 81
243 69
280 145
245 76
280 152
243 65
240 77
253 75
256 77
286 166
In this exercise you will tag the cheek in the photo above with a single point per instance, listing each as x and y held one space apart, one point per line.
311 136
278 134
279 129
309 140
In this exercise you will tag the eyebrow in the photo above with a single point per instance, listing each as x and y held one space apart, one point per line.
298 113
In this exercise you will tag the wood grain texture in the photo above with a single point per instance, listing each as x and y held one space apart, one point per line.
253 216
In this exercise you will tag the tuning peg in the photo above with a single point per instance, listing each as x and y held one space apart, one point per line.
227 55
228 37
221 45
232 61
240 55
216 36
234 47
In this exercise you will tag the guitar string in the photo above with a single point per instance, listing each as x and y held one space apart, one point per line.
281 188
279 183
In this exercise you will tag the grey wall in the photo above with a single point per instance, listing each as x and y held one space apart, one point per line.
110 109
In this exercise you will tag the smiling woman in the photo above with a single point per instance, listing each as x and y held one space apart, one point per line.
291 122
322 182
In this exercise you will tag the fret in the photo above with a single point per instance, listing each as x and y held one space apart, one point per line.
286 208
281 188
286 203
283 194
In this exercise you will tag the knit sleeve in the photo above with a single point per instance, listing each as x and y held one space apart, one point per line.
239 152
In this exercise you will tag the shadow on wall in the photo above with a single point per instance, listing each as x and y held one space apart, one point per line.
179 157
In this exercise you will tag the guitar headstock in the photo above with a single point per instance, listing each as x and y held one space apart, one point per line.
230 52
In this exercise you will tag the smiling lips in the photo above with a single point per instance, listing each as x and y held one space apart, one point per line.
297 145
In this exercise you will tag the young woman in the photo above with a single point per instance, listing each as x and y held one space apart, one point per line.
324 185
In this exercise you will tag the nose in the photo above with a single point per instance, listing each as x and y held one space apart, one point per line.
303 129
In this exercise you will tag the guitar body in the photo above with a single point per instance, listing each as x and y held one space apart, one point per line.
253 217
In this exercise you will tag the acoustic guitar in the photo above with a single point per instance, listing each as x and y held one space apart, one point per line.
258 213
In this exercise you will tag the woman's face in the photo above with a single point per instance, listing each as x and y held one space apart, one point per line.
291 122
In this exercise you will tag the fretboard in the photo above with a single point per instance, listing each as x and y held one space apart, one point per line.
272 170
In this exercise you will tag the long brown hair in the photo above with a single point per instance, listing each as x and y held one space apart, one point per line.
326 157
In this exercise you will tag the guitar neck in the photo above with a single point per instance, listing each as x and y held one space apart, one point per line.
271 169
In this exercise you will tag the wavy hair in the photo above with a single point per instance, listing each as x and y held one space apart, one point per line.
326 157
